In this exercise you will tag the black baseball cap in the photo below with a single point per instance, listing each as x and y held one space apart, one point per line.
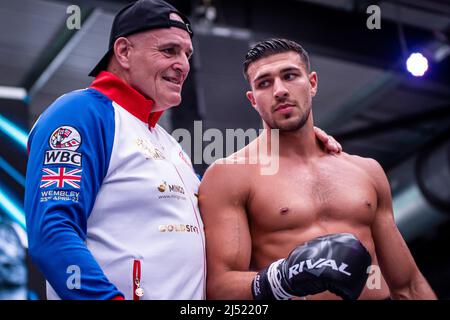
140 16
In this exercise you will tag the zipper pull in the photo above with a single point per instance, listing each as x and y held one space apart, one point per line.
139 291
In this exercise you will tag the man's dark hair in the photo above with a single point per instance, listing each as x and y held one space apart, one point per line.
270 47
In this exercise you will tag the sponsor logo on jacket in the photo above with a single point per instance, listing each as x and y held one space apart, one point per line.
171 191
163 187
178 228
149 150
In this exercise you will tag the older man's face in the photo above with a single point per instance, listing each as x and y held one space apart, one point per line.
159 65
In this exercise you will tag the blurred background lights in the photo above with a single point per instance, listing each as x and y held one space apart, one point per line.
417 64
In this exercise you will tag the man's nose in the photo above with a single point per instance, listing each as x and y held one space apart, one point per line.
280 90
182 65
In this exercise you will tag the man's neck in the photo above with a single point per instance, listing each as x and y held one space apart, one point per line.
301 144
119 73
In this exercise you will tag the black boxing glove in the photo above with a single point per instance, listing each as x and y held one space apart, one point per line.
336 262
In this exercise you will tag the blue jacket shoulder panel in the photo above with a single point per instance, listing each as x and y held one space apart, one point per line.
69 152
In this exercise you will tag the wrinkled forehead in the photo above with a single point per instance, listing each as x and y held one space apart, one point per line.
162 36
274 64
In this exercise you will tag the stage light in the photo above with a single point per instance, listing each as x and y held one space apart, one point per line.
417 64
12 208
12 172
13 93
14 132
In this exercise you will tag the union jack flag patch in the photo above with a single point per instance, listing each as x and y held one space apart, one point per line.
60 177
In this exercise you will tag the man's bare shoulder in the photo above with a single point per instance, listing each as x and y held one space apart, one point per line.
371 167
235 162
231 174
227 170
224 183
227 165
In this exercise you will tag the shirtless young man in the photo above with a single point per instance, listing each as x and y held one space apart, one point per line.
297 232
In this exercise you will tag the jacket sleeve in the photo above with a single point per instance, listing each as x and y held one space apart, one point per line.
69 152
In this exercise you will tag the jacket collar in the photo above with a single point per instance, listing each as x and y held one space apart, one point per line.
128 98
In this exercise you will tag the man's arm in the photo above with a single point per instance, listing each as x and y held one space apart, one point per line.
222 199
401 273
64 176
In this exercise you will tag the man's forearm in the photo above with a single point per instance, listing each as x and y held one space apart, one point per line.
232 285
418 289
65 260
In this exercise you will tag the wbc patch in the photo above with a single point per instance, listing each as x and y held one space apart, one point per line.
65 138
62 157
61 178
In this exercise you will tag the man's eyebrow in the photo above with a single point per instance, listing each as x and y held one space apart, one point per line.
267 74
264 75
190 51
290 69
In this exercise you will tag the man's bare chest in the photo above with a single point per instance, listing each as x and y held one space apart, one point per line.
300 197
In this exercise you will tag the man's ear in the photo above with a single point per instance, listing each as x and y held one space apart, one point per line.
122 48
251 98
313 81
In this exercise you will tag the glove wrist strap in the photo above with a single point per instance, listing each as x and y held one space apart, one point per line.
267 284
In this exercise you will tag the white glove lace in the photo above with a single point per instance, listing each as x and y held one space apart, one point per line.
274 277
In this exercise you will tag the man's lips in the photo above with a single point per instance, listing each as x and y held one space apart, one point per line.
178 80
284 107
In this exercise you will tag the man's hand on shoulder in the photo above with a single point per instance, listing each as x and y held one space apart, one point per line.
330 144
